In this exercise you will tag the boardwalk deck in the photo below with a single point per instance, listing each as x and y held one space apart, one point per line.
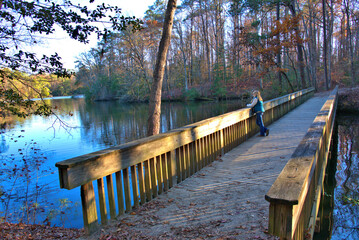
225 199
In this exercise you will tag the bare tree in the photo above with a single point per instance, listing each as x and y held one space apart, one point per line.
156 90
204 18
325 52
292 8
350 39
279 57
183 51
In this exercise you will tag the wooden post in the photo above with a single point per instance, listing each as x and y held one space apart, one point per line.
280 220
111 196
183 162
192 150
179 165
188 158
172 168
165 171
221 141
154 177
141 180
213 148
134 187
217 144
205 150
159 174
126 183
89 208
245 131
197 155
102 200
200 153
148 184
119 188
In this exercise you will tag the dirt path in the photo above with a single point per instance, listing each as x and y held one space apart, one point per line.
224 200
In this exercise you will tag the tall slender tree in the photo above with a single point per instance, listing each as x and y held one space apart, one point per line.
325 52
292 8
279 57
350 39
156 90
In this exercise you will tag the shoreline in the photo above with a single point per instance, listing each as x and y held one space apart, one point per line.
348 100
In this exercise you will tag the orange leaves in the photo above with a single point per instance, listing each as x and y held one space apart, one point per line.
264 43
286 26
153 23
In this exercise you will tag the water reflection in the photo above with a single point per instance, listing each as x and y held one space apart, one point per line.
340 219
346 211
117 123
95 126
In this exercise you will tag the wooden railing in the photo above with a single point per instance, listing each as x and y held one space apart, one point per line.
144 168
295 195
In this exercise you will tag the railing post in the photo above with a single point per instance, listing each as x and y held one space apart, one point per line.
102 199
280 220
119 188
111 196
89 207
142 182
221 141
135 187
148 184
172 168
126 183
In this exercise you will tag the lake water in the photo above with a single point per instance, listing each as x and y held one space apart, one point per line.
340 219
29 149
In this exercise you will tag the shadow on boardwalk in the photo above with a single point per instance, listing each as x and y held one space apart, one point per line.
224 200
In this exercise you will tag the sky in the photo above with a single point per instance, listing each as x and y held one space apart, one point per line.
68 49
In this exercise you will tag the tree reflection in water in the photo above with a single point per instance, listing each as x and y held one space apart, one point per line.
341 207
346 210
115 124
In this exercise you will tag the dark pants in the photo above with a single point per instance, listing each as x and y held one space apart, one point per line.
259 122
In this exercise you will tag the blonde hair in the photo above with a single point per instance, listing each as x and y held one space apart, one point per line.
257 94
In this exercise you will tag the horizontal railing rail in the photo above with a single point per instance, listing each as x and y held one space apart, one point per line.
144 168
295 195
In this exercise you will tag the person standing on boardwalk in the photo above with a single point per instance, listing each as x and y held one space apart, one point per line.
258 109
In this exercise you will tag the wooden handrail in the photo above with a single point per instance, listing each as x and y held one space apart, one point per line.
295 195
165 159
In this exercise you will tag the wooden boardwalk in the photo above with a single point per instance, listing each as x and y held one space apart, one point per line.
224 200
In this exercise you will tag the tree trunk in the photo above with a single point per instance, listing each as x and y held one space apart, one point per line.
329 41
311 43
191 78
299 46
325 53
279 58
307 66
182 48
156 90
235 53
350 42
205 36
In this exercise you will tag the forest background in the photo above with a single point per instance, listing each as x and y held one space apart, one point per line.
219 49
